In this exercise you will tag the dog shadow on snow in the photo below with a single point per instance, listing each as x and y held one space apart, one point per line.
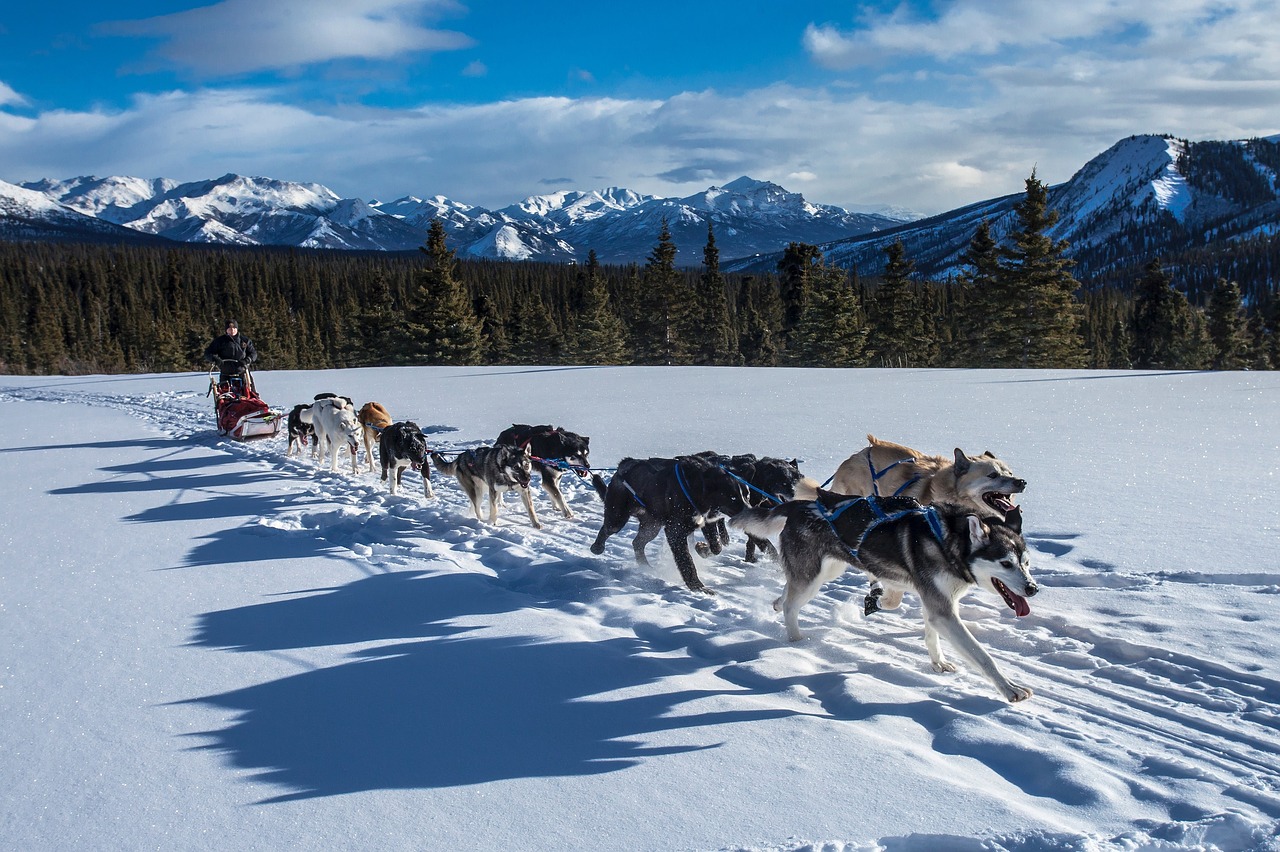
448 707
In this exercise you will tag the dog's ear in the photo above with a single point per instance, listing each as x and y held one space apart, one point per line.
1013 519
988 454
962 462
979 535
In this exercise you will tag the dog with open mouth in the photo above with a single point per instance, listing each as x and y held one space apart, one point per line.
938 552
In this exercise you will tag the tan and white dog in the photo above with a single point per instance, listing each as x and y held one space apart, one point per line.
373 419
983 484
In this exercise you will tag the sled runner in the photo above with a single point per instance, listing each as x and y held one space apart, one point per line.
241 413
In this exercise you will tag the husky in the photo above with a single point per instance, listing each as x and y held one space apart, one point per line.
677 496
300 429
495 469
554 450
939 552
373 419
334 419
984 484
402 445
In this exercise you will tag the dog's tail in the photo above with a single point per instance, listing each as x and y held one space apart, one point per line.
597 482
762 522
806 489
448 468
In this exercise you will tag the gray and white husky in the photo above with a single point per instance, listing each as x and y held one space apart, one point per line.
497 469
938 552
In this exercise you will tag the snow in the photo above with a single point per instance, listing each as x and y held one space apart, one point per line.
1171 189
210 645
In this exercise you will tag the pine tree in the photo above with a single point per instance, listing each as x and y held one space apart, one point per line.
795 283
1161 322
758 310
1226 327
441 327
832 331
899 336
979 343
1038 293
716 342
670 324
601 335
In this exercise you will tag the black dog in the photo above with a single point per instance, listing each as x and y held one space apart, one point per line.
403 445
768 482
299 430
553 450
678 496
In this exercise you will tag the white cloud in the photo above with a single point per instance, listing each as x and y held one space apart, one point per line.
241 36
868 150
475 69
8 97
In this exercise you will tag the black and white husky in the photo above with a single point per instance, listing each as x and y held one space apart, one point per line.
402 445
497 470
938 552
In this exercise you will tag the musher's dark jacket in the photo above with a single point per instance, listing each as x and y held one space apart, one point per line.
238 348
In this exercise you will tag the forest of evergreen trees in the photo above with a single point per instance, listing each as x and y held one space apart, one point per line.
75 309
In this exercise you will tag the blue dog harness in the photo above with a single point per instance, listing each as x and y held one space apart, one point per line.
881 517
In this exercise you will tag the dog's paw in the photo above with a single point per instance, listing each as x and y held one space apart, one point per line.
944 667
703 590
597 548
1017 693
871 603
703 549
568 516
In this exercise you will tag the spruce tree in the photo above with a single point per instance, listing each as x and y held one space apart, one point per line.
1038 293
601 335
978 342
796 271
716 342
1161 322
1226 326
670 302
441 327
831 331
899 335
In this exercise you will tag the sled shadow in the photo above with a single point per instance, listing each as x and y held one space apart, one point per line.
449 709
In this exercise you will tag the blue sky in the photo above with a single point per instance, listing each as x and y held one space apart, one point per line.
922 105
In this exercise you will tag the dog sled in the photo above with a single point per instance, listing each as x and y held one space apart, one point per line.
241 413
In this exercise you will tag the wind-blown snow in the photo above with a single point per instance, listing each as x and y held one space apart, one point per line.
193 625
1171 188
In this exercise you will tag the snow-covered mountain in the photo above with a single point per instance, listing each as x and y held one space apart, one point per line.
1146 196
621 225
27 214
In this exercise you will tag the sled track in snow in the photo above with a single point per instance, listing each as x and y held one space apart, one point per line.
1156 716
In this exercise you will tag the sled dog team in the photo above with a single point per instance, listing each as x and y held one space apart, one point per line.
936 526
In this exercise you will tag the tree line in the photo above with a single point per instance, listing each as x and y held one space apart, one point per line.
74 309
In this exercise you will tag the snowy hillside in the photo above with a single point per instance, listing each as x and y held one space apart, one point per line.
213 645
1132 201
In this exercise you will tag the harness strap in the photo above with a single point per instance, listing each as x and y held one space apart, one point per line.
627 485
881 517
685 488
775 498
877 474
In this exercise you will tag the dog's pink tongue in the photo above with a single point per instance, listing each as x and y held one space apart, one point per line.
1020 605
